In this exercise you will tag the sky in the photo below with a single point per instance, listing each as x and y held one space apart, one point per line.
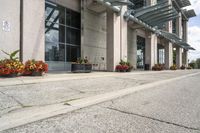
194 30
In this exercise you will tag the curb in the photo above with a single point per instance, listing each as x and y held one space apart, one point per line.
65 77
34 114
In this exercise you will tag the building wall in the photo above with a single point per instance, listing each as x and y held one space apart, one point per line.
71 4
10 12
132 47
93 44
33 29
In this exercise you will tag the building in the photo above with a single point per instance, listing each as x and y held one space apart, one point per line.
144 32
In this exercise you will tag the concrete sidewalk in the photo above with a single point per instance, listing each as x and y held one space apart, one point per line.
53 77
42 97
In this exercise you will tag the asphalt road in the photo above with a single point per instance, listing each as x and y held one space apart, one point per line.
171 108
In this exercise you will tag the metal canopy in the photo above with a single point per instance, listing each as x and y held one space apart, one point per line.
182 3
129 16
156 15
189 13
175 39
119 2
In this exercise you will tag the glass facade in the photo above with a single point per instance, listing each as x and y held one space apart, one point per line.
62 36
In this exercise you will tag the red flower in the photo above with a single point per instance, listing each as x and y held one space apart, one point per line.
35 66
122 67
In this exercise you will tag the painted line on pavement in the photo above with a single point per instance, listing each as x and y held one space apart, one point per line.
33 114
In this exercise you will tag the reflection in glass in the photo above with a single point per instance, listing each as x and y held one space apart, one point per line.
73 36
54 52
55 33
161 56
55 13
75 53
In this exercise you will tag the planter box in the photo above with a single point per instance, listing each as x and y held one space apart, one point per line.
34 74
10 75
81 68
37 74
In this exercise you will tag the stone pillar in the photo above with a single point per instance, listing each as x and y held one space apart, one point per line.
113 40
179 26
151 50
116 38
33 30
179 57
185 31
185 57
169 46
168 55
123 36
132 47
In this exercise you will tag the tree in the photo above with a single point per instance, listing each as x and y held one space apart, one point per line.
198 63
192 64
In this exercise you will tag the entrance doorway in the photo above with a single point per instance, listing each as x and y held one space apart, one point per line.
140 52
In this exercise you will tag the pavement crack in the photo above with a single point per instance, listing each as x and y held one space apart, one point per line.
76 90
154 119
17 101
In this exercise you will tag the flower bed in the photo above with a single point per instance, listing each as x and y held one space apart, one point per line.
35 68
182 67
173 67
10 68
81 66
124 66
158 67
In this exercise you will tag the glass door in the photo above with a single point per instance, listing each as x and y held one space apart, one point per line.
140 52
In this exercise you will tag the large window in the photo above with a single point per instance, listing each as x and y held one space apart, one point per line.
62 33
174 26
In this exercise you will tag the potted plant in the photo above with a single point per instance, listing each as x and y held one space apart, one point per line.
173 67
81 66
182 67
124 66
11 67
158 67
35 68
189 67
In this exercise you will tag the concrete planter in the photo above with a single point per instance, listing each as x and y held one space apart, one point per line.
37 74
13 75
81 68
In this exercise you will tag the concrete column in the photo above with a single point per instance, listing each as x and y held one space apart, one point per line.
179 57
123 36
34 30
151 50
185 57
185 31
132 47
179 26
113 40
168 55
116 39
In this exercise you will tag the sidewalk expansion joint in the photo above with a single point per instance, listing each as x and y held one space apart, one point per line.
151 118
17 101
